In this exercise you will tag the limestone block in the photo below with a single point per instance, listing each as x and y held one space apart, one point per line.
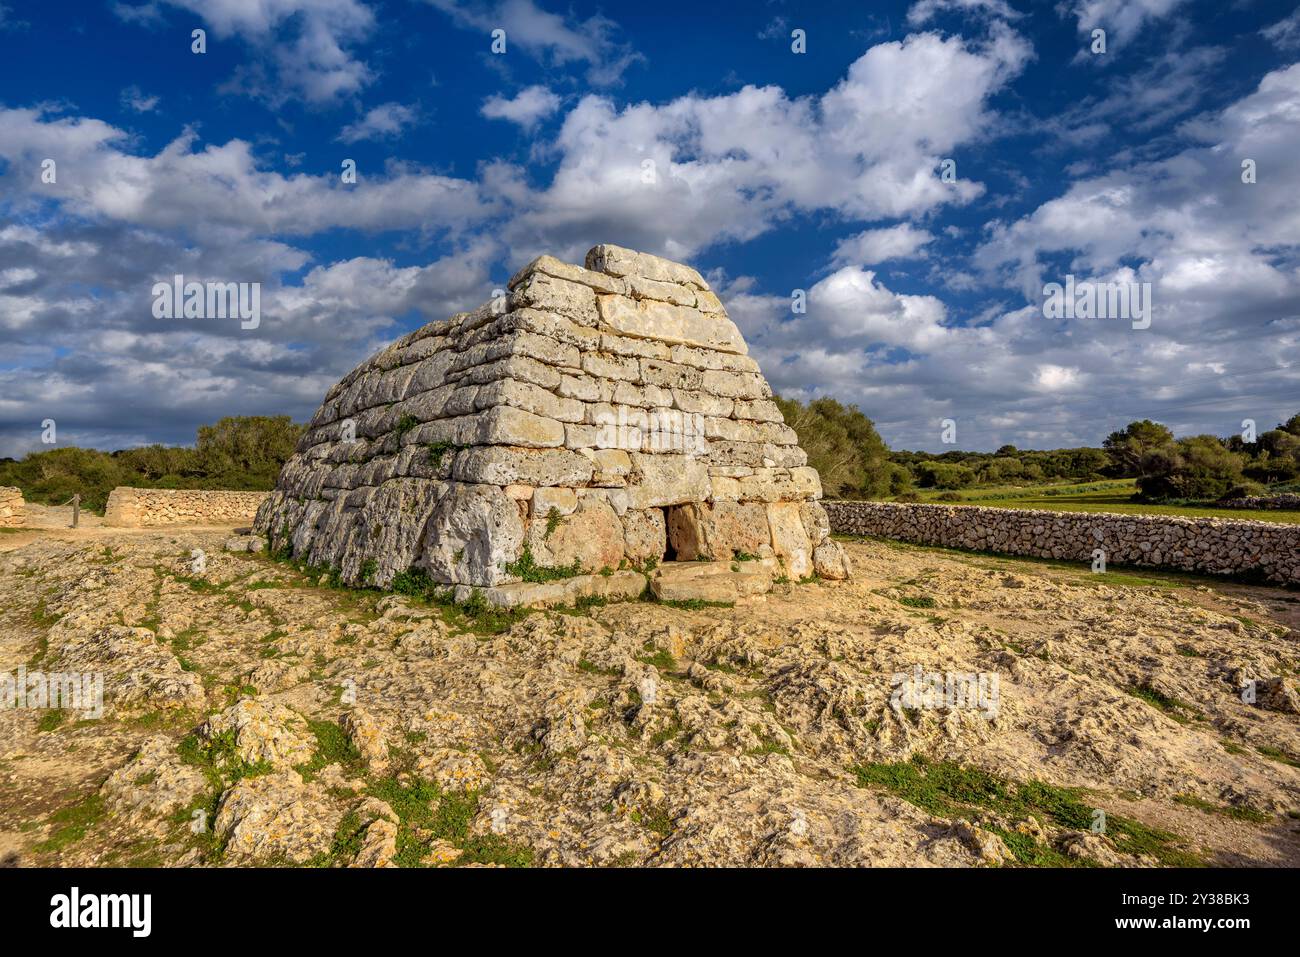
591 536
695 401
516 367
726 582
611 367
636 348
761 410
645 535
815 522
569 299
659 480
530 398
670 375
735 385
717 531
830 561
501 465
550 266
650 319
506 425
618 261
583 388
789 539
474 532
563 500
711 359
639 287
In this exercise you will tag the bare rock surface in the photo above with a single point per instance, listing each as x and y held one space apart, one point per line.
255 715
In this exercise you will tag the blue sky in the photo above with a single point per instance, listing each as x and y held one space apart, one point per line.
773 171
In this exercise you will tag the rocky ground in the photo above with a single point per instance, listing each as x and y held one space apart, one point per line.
256 715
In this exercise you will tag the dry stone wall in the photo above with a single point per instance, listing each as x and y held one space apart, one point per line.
590 419
144 507
1269 550
11 507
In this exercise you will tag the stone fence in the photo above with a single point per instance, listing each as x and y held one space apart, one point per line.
1266 550
140 507
1286 500
11 507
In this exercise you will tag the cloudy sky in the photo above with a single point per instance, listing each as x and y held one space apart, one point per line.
770 170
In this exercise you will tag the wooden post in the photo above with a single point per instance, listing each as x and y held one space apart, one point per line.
76 509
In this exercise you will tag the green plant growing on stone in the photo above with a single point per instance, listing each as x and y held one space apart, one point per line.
553 519
405 424
525 567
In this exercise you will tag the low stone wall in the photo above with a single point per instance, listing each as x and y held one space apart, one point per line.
11 507
141 507
1287 500
1267 550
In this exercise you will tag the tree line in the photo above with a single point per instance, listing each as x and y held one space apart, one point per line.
843 445
238 452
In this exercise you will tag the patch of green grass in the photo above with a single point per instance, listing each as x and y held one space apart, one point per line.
696 604
1278 755
72 822
1227 810
917 601
51 720
526 568
219 758
947 789
1116 496
332 747
441 815
656 819
1174 708
438 450
553 519
405 424
659 657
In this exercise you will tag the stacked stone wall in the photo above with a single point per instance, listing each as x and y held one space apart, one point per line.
146 507
1266 550
593 417
11 507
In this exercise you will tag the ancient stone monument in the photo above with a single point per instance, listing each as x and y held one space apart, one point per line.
587 429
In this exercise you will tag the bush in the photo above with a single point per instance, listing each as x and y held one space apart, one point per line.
1129 447
844 447
1199 468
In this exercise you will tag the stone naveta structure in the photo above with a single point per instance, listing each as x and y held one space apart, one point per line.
600 421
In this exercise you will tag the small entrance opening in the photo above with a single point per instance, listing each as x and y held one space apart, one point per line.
670 553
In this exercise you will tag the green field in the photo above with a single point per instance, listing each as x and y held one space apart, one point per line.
1108 496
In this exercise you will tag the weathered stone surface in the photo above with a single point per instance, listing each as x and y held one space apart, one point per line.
11 507
645 535
147 507
659 480
263 733
717 531
505 466
829 561
1266 550
591 536
664 321
790 539
619 261
562 417
474 533
726 582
